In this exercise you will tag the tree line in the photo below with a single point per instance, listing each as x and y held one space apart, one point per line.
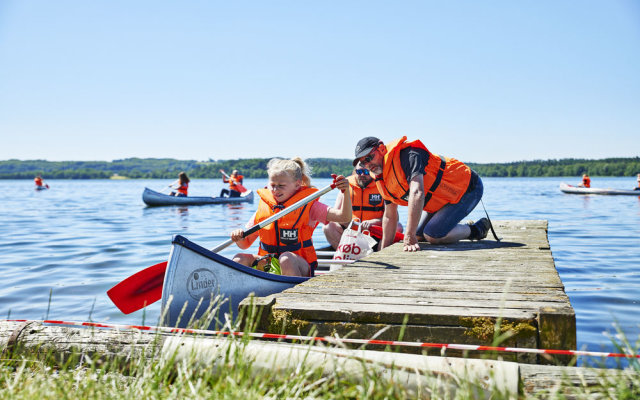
168 168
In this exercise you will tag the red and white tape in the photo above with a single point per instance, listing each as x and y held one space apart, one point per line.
329 339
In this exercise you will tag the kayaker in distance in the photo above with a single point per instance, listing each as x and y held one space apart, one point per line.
638 185
407 174
181 185
289 238
586 181
367 206
40 182
234 181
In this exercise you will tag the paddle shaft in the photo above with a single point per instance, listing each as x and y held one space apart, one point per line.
277 216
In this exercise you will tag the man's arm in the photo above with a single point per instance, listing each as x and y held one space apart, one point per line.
416 201
389 224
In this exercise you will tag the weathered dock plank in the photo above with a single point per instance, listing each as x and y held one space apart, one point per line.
443 294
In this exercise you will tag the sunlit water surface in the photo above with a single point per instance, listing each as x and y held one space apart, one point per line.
61 249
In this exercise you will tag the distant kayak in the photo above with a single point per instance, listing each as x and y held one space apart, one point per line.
153 198
42 187
583 190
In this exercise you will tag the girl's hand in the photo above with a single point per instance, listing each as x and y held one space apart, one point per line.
340 182
237 235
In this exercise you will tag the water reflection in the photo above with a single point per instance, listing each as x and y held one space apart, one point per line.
182 211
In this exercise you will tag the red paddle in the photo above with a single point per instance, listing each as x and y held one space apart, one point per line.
145 287
376 231
139 290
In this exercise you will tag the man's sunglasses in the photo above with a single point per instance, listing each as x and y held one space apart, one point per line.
362 171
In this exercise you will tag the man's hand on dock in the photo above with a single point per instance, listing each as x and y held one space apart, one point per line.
411 242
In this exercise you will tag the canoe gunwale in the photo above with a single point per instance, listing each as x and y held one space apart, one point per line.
184 242
153 198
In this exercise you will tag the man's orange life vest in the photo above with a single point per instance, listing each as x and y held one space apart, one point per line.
183 188
291 232
586 181
38 181
366 203
233 182
445 179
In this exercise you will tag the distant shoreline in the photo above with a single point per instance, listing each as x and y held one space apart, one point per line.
167 168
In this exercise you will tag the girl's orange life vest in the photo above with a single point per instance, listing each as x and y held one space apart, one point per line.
183 188
586 181
366 203
235 181
290 233
445 179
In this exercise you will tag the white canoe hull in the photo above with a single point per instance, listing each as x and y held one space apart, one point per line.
153 198
195 273
582 190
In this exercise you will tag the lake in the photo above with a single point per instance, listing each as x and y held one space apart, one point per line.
62 249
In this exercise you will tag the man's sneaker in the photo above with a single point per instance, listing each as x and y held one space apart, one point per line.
480 229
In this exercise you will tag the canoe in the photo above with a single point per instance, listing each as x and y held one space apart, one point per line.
153 198
194 273
42 187
565 188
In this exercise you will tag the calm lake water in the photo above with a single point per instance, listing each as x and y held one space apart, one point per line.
81 237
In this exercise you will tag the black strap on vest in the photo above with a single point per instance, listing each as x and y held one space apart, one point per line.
436 182
368 208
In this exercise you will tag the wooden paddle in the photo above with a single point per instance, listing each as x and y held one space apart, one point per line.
145 287
241 188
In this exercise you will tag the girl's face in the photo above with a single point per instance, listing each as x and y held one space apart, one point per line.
283 186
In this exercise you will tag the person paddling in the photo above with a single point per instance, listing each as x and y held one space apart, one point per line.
586 181
367 206
40 182
638 185
408 174
289 239
234 181
181 185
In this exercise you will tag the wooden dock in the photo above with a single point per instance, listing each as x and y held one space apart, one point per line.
442 294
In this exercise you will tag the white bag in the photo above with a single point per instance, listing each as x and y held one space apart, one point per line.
354 244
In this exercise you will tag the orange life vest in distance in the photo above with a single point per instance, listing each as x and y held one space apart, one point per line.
235 181
183 188
445 179
366 203
586 182
290 233
38 181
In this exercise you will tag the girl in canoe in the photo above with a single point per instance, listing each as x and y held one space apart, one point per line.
289 238
181 185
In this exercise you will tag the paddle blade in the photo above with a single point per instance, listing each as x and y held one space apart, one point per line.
140 289
376 231
241 188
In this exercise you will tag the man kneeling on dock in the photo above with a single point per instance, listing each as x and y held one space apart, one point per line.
367 205
407 174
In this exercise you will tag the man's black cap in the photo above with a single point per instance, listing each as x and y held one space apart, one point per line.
364 147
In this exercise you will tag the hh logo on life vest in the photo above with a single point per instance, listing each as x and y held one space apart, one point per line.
288 236
375 199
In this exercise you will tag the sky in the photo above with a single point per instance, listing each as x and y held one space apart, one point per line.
480 81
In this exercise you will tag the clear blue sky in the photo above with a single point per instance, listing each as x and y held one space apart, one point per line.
482 81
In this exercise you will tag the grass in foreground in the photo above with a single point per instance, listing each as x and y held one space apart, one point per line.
36 374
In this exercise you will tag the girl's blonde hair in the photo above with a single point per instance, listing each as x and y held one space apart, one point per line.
296 168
